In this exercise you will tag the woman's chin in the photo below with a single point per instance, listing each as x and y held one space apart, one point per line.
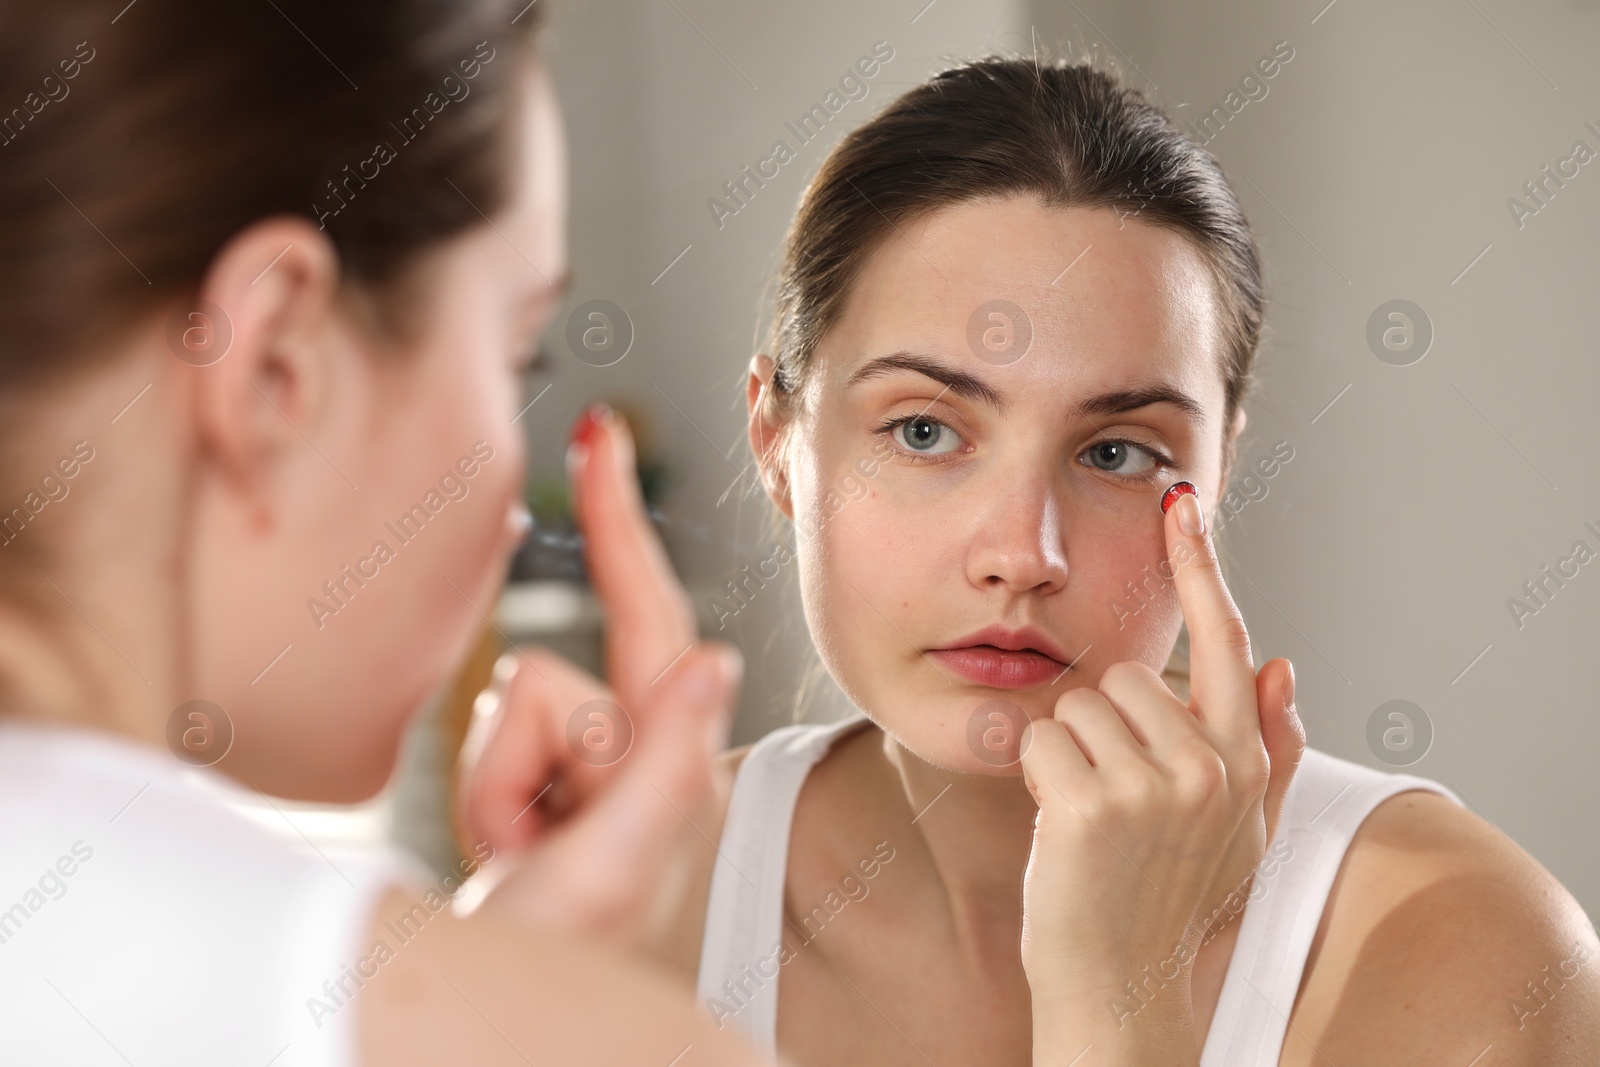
953 746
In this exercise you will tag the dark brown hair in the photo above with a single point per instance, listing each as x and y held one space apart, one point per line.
1067 132
135 139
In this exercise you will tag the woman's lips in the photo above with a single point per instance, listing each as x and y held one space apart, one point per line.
999 668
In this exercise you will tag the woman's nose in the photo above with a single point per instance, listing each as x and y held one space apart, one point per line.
1019 542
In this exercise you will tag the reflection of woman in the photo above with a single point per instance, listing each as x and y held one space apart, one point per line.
1046 302
248 330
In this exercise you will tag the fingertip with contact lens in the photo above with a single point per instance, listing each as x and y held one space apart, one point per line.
1173 492
1191 519
581 438
583 430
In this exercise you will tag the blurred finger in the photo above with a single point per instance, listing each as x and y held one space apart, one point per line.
630 826
649 618
516 746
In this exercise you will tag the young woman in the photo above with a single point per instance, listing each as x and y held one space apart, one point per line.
248 331
1015 308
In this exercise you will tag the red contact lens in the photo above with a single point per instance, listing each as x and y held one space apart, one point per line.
1177 490
584 429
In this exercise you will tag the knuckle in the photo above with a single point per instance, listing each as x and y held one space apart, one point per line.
1125 674
1077 703
1094 807
1138 791
1202 777
505 669
1255 772
521 661
1230 633
486 705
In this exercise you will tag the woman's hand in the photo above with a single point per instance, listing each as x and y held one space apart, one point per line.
1151 813
585 792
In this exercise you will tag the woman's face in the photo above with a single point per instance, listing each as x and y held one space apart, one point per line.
966 475
388 559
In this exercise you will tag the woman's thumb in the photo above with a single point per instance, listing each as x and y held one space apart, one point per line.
1281 733
676 742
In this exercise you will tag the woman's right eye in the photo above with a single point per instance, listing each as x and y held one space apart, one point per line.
924 436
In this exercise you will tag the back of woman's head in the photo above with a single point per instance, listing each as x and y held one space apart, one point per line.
136 138
246 269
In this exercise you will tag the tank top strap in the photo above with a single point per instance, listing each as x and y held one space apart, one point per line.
739 955
1326 804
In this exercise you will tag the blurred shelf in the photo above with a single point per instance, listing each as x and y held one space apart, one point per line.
553 607
532 609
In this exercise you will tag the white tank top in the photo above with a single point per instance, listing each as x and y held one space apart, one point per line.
145 920
740 956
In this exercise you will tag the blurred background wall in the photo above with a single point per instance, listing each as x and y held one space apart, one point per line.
1444 449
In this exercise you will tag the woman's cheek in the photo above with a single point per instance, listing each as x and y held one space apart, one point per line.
858 590
1136 610
488 454
467 450
481 537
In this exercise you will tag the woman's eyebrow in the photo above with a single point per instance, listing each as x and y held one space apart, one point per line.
958 382
1114 402
1119 400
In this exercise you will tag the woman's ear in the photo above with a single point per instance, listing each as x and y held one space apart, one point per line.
258 339
766 431
1230 451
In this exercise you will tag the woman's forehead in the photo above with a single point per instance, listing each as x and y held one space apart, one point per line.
1073 292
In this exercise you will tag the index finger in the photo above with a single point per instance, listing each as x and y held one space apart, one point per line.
649 619
1222 674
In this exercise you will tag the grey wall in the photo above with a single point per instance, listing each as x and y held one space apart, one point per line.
1378 167
1382 558
665 101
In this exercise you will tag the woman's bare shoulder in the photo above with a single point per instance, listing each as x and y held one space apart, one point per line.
677 944
484 991
1443 938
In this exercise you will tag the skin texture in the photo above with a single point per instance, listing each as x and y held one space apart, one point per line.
1017 529
223 498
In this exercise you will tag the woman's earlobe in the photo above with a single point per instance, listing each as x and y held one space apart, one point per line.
769 462
777 485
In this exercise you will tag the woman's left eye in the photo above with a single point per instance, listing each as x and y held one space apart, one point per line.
924 436
1113 457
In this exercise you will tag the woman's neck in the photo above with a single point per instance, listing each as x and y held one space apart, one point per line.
55 673
974 834
89 599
